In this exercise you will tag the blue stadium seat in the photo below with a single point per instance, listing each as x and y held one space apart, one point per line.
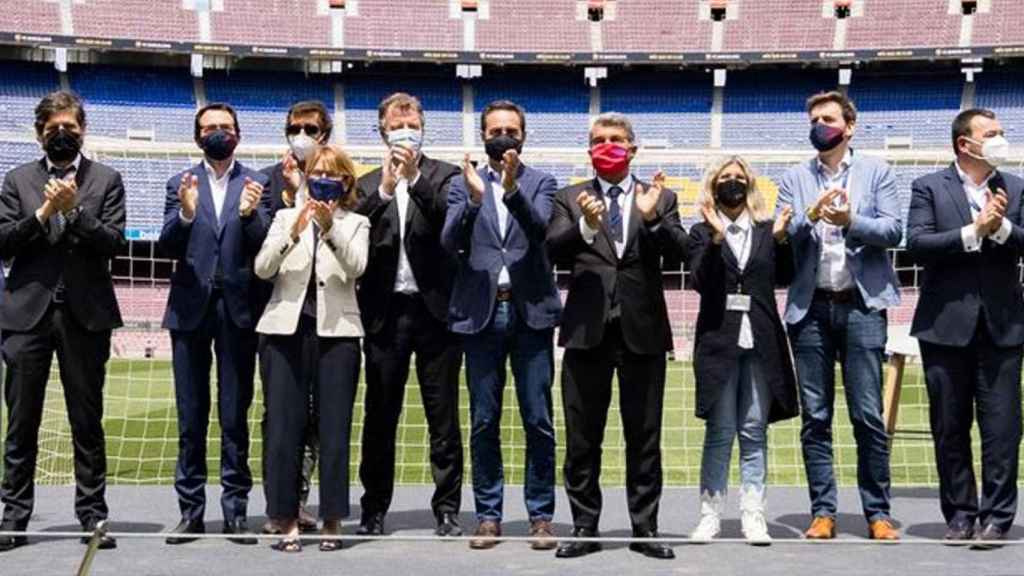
262 100
919 107
672 109
765 109
1002 91
122 98
441 98
557 104
24 84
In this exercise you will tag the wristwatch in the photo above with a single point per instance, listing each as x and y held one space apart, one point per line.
71 216
812 213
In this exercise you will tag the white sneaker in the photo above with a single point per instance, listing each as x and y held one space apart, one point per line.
710 525
752 521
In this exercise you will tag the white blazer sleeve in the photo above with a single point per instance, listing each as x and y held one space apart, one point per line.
350 245
276 246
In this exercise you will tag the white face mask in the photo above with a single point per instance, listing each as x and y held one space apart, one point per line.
302 146
408 137
995 151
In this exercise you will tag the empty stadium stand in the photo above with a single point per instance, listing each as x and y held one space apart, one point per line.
765 109
119 99
656 26
441 99
415 24
668 109
274 23
557 105
533 26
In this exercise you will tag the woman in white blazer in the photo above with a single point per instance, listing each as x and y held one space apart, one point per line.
313 254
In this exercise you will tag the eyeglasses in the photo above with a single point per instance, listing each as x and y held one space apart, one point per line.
311 130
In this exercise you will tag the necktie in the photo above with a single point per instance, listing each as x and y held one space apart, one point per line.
57 222
615 214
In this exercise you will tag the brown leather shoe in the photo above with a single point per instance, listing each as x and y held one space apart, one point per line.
822 528
543 535
486 529
883 530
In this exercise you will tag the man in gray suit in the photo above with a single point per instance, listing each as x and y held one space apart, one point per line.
846 215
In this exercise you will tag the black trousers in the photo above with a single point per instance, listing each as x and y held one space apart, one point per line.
310 440
292 364
586 396
410 328
82 357
984 379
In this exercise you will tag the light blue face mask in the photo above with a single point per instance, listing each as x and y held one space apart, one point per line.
408 137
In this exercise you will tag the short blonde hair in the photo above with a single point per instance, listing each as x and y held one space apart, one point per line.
756 205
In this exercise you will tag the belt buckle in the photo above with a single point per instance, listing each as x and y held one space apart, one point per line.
503 295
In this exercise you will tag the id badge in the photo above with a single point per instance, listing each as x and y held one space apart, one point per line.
737 302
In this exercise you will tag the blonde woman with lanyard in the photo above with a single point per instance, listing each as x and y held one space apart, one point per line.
313 254
742 364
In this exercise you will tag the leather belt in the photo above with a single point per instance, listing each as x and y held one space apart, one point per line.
503 295
840 297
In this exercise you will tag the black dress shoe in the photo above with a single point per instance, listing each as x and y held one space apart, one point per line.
371 525
241 528
447 525
577 549
989 539
106 542
11 542
959 534
185 527
651 549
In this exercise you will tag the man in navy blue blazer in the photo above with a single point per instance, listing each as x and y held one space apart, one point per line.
964 228
505 302
215 220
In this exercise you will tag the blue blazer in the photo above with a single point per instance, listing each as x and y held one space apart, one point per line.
877 226
473 235
958 288
200 247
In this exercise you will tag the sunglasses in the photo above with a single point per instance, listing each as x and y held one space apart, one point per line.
311 130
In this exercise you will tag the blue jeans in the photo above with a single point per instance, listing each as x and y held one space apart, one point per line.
532 355
856 337
742 408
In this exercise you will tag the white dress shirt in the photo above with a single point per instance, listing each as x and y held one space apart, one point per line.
738 236
625 202
833 270
72 171
73 167
504 281
977 196
405 280
218 189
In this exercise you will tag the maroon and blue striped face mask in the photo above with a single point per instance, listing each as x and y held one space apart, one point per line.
825 137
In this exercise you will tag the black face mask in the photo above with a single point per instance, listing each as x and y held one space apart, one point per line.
219 145
62 146
731 193
497 146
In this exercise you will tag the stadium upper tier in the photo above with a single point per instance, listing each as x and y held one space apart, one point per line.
529 25
761 110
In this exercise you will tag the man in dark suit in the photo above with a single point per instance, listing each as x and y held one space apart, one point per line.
505 303
62 219
215 220
308 125
403 300
965 230
613 232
